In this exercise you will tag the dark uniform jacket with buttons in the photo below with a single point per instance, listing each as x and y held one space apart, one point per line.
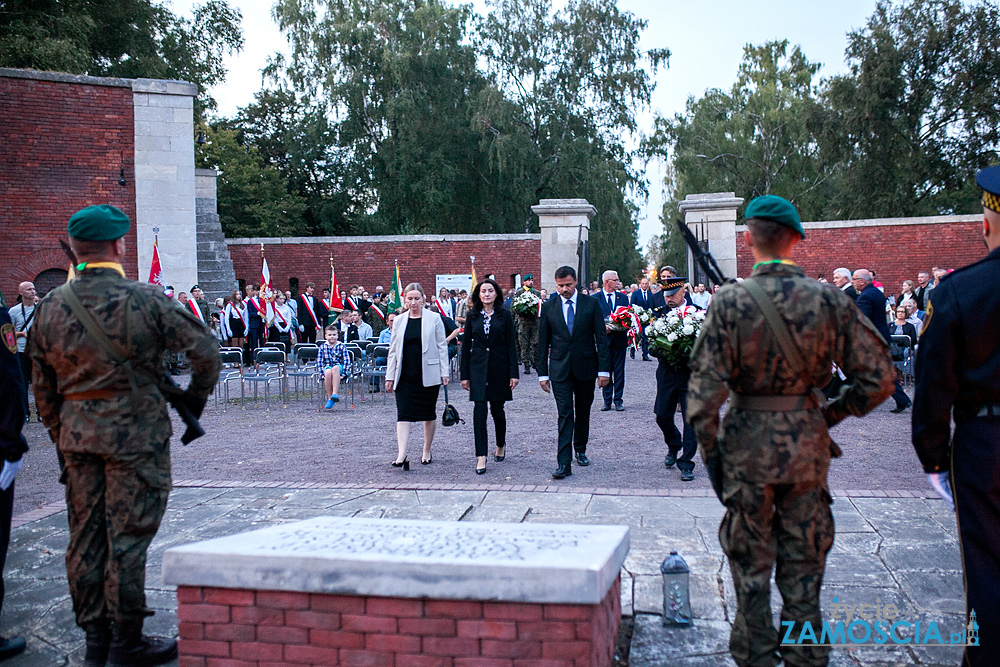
958 359
489 361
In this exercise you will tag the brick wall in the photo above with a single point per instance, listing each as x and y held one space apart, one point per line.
61 146
245 628
369 261
896 252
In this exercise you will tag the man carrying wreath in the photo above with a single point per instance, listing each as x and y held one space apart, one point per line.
671 387
527 325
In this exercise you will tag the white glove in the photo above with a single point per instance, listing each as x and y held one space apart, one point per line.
939 481
302 327
9 472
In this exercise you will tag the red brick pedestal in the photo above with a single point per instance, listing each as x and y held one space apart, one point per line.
226 627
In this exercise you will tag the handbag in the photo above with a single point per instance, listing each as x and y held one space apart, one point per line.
450 415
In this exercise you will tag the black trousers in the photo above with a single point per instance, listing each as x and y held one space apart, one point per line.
573 400
615 388
479 425
899 395
25 362
255 339
976 480
687 444
6 513
644 343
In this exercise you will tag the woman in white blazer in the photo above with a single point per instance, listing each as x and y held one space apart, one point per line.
416 368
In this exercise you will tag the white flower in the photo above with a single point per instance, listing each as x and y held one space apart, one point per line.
688 329
671 336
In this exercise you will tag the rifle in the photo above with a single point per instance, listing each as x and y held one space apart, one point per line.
703 257
187 405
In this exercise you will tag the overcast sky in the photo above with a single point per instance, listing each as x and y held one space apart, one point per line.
706 40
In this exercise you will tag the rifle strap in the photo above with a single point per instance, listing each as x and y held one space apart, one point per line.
107 346
778 326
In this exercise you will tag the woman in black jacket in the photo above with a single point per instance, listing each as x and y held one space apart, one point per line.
489 366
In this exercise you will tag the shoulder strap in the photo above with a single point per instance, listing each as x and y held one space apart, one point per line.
778 327
88 322
93 328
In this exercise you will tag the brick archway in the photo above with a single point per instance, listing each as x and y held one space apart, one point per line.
35 262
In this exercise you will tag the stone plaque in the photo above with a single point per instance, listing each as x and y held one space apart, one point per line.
420 559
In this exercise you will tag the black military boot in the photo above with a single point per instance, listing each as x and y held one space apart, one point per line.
98 644
131 648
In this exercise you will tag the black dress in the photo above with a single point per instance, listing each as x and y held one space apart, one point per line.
414 401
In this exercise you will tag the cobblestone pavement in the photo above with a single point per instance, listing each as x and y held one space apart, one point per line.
888 550
295 442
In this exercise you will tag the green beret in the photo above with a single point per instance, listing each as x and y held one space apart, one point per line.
776 209
98 223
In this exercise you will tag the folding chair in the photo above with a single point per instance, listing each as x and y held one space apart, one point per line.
232 369
374 373
305 367
278 344
271 364
347 378
905 366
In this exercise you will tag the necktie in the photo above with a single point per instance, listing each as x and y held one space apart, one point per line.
569 316
611 303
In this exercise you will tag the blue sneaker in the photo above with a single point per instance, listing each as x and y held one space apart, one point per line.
329 403
335 398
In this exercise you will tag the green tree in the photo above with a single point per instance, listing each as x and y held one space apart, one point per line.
918 113
253 196
397 75
757 138
121 38
565 89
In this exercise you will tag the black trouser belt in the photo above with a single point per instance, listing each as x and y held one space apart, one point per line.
780 403
970 411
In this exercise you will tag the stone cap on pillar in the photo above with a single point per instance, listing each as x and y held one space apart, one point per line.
547 207
536 563
710 202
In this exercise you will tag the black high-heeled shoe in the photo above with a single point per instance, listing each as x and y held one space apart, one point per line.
404 464
500 457
480 471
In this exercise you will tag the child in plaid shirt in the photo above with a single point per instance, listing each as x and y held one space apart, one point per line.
333 359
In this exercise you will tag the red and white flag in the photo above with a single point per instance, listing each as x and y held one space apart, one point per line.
155 272
266 294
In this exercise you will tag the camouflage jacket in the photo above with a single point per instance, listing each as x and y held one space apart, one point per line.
737 351
66 359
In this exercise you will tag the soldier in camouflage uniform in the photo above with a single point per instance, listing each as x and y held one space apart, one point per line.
527 327
112 430
769 463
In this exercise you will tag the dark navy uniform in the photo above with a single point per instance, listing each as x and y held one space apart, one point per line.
12 443
958 366
671 391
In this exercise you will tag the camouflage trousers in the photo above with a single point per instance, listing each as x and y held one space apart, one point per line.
527 338
790 525
115 504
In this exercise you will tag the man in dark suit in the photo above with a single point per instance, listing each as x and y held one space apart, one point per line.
842 279
871 302
572 328
609 299
312 315
643 298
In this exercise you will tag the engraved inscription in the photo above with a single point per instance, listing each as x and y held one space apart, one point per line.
433 542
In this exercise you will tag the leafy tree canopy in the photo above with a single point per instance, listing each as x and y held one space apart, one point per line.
121 38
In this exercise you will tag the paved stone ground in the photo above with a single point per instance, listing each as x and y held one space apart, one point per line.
261 465
899 550
293 442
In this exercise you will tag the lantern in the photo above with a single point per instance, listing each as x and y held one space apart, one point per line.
676 591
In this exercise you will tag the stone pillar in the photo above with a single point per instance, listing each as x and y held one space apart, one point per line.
564 223
164 178
713 217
